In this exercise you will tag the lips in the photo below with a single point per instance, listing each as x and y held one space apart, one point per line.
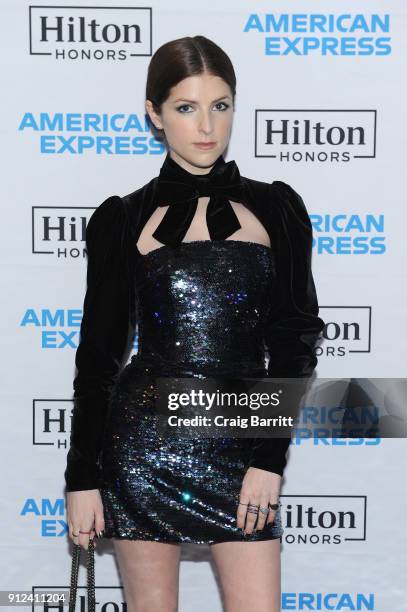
205 145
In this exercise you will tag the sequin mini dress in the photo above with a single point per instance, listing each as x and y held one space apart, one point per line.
202 308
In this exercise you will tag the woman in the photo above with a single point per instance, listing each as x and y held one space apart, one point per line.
214 268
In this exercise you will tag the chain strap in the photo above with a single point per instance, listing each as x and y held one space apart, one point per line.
90 564
91 577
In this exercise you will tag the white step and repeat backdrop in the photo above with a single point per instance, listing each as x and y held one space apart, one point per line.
328 80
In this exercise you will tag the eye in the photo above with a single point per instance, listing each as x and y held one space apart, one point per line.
225 105
179 108
182 106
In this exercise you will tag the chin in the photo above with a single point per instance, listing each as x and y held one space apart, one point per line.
206 157
199 158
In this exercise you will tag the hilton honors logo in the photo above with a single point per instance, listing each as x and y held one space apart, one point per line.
60 230
90 32
315 135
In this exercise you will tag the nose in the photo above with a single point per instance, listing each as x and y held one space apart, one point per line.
206 123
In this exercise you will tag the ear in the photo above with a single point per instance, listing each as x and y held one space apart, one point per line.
155 119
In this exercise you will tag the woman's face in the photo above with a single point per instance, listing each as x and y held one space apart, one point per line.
199 109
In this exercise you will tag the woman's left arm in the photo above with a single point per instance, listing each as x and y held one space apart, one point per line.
293 326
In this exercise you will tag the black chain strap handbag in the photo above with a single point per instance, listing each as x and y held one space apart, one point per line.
90 564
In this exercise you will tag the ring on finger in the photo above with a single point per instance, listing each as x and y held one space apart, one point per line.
264 509
273 506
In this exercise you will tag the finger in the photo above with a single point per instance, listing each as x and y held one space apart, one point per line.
262 515
251 516
74 534
93 537
84 537
241 510
272 513
99 524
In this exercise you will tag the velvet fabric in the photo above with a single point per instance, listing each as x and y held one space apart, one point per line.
179 190
110 312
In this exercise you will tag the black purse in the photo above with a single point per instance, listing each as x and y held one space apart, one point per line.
90 564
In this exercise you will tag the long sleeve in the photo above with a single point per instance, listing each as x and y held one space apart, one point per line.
294 326
104 334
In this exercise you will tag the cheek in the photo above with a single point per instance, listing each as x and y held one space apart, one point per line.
179 127
224 123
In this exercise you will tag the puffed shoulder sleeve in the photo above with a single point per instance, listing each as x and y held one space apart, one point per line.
104 335
294 326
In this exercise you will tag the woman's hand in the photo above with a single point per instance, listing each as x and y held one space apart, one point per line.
259 487
85 513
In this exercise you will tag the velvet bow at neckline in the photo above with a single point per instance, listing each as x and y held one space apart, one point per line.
179 190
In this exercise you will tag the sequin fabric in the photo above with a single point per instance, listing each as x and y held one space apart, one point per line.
201 311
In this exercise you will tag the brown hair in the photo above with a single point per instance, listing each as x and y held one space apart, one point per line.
184 57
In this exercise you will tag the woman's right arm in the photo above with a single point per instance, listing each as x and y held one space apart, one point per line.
104 335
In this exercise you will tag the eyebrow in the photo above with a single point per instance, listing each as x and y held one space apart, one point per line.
195 102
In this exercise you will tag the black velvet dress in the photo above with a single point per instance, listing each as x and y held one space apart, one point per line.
203 308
